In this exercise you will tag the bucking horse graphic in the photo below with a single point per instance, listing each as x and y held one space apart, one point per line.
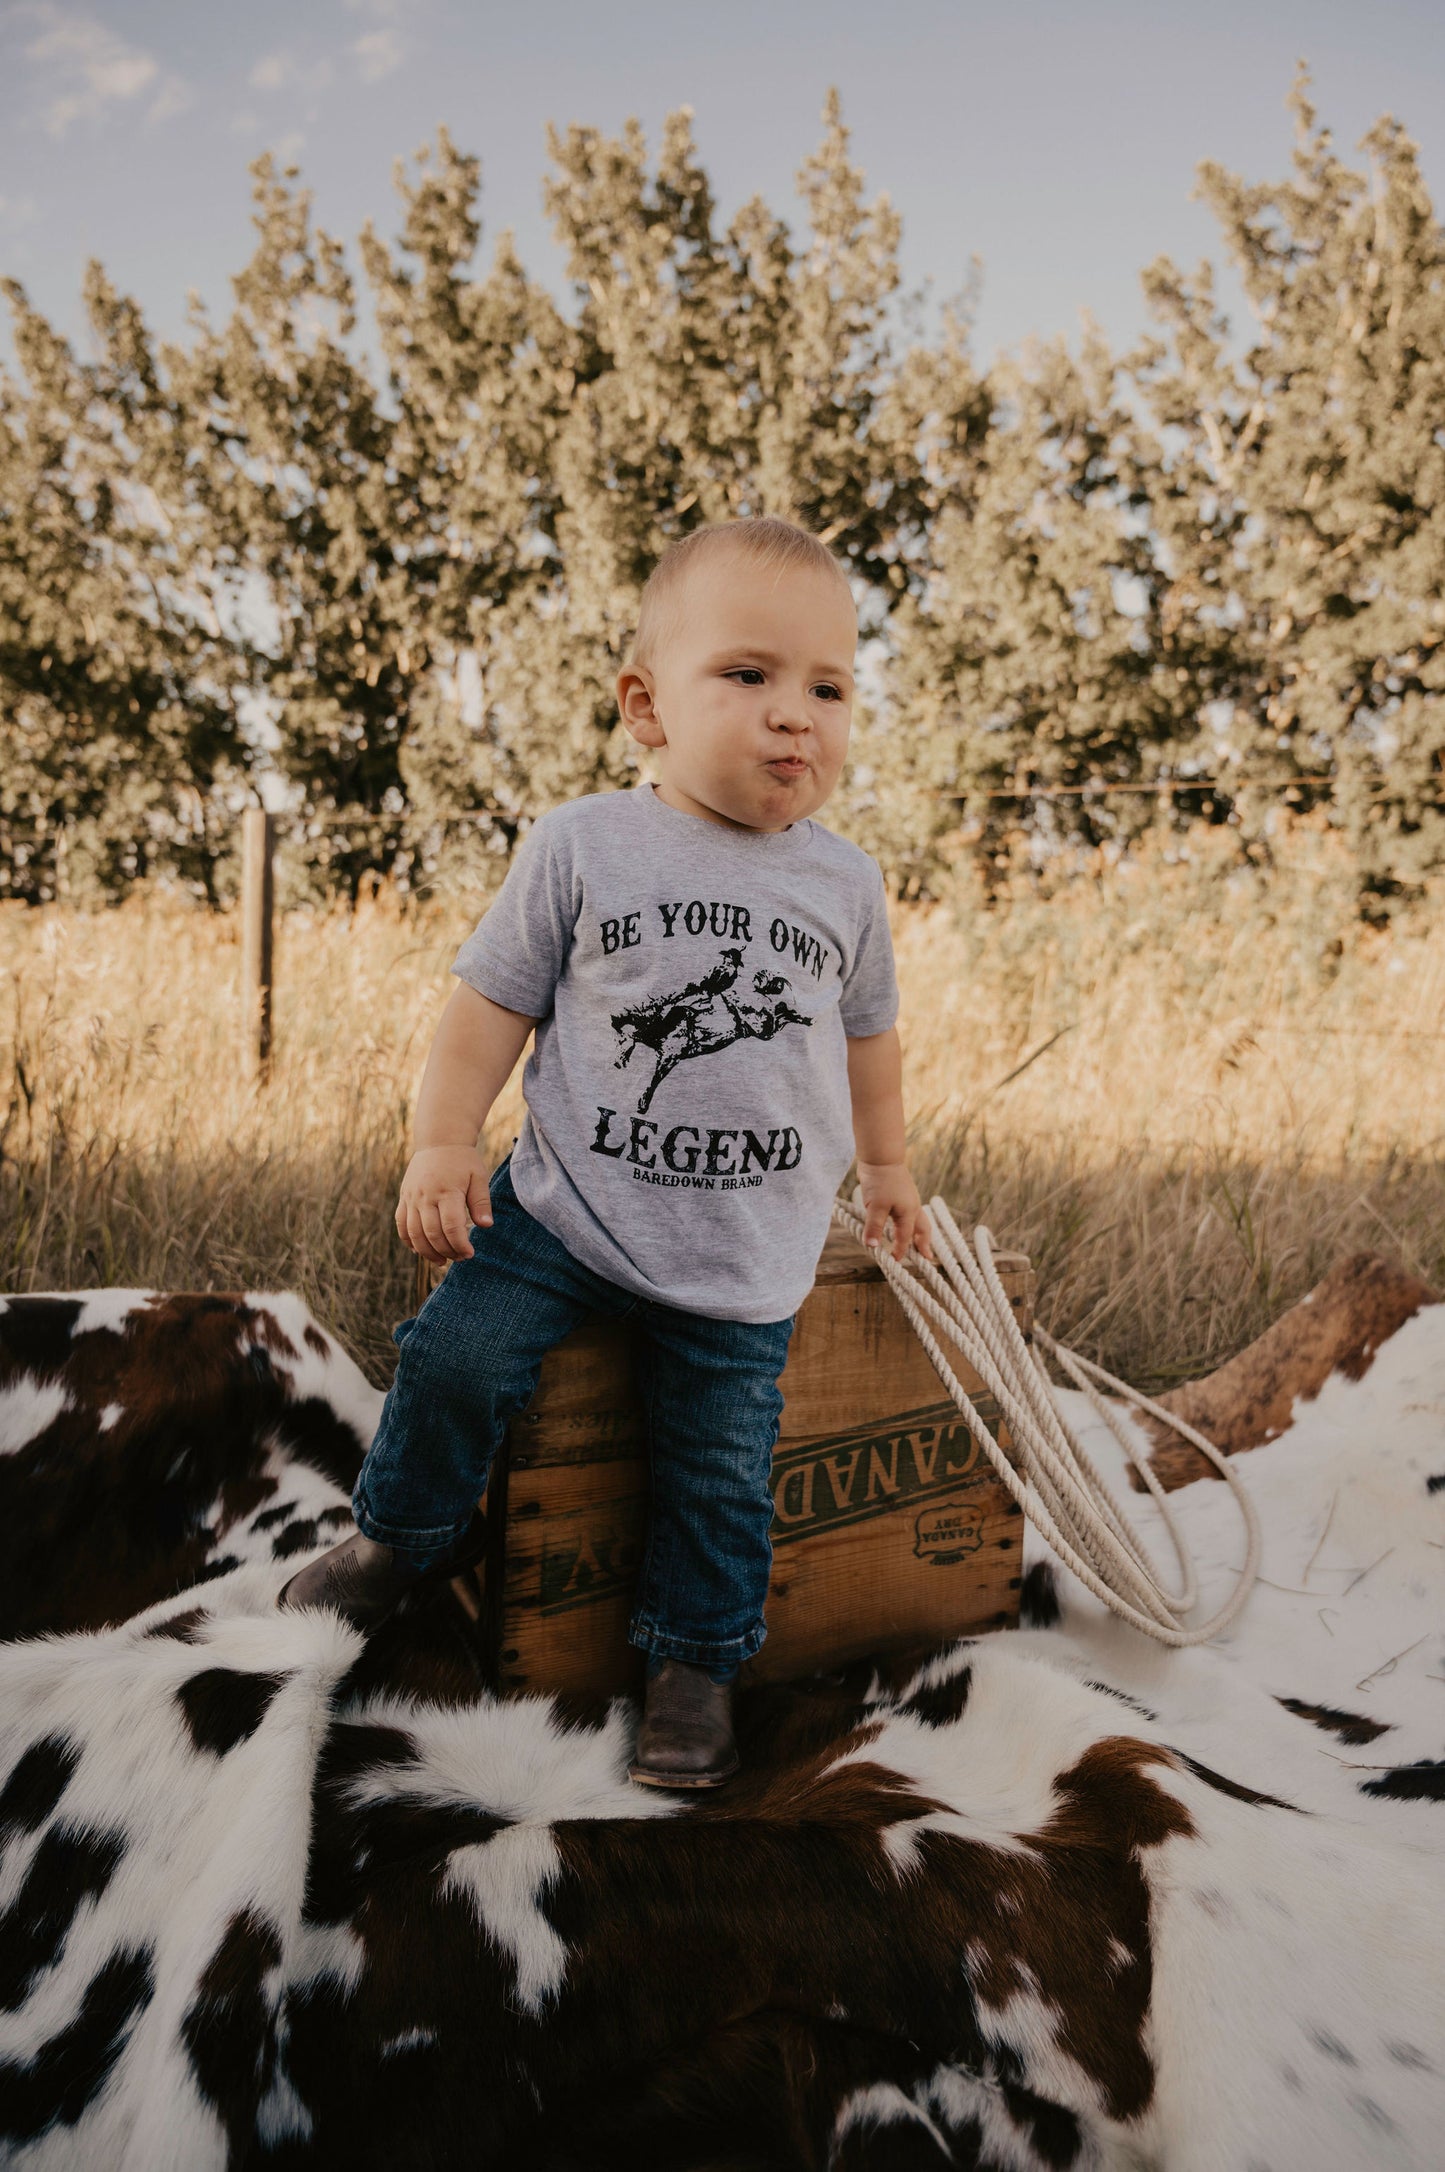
706 1015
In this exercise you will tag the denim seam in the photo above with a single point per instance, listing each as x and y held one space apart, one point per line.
392 1534
648 1414
700 1651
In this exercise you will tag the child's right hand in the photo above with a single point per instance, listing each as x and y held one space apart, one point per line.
444 1191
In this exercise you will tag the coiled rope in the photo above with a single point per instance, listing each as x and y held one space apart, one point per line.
1055 1483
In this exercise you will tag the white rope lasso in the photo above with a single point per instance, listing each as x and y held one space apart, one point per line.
1055 1483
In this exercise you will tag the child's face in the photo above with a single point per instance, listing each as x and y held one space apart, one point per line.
748 696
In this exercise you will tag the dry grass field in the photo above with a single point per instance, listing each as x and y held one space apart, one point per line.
1186 1093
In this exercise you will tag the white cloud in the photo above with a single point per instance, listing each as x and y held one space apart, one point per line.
380 51
281 71
173 97
273 72
87 68
378 54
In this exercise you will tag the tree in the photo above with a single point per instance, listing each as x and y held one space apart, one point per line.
293 484
117 716
1092 589
1303 512
1035 657
479 374
702 375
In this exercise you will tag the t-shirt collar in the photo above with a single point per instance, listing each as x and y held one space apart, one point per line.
795 838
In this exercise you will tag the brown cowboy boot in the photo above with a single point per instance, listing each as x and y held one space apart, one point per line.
686 1735
365 1582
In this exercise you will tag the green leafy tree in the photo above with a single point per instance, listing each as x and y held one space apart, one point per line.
1302 515
479 376
1034 657
294 488
1089 587
118 728
708 375
701 375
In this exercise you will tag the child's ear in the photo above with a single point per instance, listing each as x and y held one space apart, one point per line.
635 692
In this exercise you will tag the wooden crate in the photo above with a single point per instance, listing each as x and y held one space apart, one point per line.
889 1523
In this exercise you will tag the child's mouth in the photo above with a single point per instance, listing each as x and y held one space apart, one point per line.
789 766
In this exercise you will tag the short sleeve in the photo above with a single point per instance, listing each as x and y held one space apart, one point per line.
517 950
869 999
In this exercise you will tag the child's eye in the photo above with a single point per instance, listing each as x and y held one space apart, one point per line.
746 674
828 691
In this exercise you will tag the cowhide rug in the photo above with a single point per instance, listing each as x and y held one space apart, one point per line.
273 1896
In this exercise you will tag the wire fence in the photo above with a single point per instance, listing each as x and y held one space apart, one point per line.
262 827
303 819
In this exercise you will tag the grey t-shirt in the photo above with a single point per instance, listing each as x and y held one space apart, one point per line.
688 1114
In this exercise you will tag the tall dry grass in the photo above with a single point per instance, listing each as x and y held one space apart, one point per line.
1186 1093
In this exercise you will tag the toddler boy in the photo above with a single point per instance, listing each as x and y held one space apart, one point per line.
709 977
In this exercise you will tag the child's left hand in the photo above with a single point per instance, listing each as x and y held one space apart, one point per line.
889 1191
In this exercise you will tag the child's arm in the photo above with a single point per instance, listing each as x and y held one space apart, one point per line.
875 1081
445 1188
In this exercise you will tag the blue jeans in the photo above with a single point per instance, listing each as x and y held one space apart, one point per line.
470 1359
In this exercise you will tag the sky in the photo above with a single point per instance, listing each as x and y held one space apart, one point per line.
1057 143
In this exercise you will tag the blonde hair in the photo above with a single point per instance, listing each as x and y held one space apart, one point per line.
766 540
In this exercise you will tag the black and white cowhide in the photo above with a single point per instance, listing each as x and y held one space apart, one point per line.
272 1896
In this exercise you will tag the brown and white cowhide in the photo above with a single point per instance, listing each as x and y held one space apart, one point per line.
272 1896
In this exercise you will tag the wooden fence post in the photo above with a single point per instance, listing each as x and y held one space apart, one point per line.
258 900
